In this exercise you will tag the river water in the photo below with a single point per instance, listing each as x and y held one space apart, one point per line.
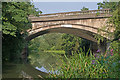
45 61
41 64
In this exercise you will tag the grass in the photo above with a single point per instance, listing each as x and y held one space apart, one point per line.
55 51
92 66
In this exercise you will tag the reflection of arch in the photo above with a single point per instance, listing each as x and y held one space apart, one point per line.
80 30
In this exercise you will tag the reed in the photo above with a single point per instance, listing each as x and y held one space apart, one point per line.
92 66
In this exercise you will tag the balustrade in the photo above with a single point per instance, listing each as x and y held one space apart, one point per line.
102 11
71 15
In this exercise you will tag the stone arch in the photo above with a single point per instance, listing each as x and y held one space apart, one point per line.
80 30
83 31
84 23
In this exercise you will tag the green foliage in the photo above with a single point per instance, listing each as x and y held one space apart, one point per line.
14 25
44 50
45 59
54 40
15 17
45 42
12 47
106 5
99 38
113 23
72 44
115 19
115 45
97 14
84 9
81 66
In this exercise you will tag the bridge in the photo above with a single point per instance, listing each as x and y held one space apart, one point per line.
84 24
81 23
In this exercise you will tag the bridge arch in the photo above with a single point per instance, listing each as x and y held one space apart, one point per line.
80 23
87 22
83 31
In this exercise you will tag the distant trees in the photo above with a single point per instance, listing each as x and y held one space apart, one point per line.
84 9
45 42
73 44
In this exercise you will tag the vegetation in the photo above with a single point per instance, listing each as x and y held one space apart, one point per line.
44 50
115 19
93 66
72 44
76 64
46 42
58 43
14 25
84 9
96 66
50 49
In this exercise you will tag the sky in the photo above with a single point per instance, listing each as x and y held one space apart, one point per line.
56 7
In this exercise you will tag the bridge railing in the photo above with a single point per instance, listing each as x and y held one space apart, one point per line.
70 14
105 11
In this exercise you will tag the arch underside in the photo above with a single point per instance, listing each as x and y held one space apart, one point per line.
86 34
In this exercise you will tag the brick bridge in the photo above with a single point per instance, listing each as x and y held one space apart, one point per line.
81 23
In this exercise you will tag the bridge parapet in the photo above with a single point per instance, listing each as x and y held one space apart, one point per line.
71 15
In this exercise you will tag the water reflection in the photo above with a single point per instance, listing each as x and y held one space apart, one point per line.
40 65
46 71
45 61
42 69
11 70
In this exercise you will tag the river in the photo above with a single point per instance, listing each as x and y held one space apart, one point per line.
40 66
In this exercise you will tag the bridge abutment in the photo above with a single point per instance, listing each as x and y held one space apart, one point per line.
102 47
99 48
93 47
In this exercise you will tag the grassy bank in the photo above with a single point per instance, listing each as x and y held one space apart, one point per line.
93 66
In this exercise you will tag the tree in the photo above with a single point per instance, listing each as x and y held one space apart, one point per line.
14 25
115 19
15 17
51 41
72 44
84 9
106 5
